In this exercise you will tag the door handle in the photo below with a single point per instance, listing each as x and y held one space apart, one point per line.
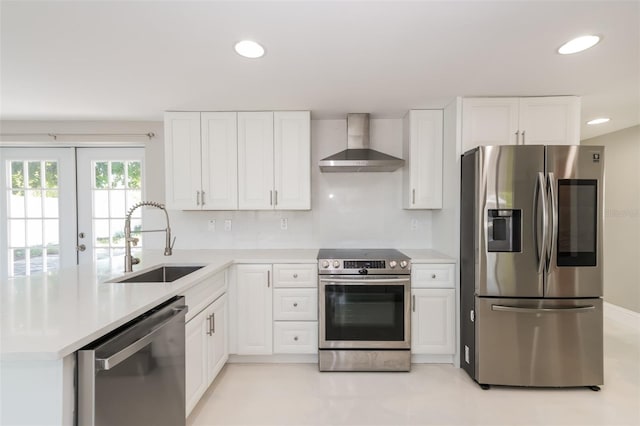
268 279
209 333
413 303
202 197
275 197
541 194
553 205
81 247
111 361
523 142
502 308
271 197
197 198
518 137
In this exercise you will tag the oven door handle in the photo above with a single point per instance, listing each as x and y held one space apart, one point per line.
366 281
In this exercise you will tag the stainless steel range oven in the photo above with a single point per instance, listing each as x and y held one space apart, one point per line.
364 310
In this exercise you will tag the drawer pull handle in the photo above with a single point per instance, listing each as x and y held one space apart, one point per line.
433 276
295 275
295 304
295 338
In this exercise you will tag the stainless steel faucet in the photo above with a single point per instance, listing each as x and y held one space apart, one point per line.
129 260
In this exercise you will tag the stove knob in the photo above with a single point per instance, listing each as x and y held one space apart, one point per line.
336 263
393 264
325 264
403 264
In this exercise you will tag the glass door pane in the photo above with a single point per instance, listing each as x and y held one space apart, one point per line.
110 181
39 214
364 313
577 222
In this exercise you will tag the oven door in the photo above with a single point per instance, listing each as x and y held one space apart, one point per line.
371 312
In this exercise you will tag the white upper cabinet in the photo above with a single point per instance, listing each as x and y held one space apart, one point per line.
182 160
201 160
255 160
238 160
219 161
422 151
292 160
552 120
274 160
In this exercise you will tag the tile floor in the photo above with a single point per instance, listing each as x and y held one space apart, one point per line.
297 394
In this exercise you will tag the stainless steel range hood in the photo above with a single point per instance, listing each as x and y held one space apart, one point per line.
358 157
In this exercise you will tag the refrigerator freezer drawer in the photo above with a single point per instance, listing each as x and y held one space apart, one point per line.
539 342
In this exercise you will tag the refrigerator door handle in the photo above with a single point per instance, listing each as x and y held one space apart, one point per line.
553 204
541 194
572 310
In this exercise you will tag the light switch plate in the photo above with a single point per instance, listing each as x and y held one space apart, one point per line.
211 225
284 224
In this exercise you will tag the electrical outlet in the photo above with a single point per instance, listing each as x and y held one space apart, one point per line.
227 225
211 225
284 224
414 224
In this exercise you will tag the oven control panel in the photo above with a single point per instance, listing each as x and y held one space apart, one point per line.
363 267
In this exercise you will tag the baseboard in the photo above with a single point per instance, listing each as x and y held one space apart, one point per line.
274 359
621 315
432 359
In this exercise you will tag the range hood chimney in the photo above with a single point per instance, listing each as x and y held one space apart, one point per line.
358 157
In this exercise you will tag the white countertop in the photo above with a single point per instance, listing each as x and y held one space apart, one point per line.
51 315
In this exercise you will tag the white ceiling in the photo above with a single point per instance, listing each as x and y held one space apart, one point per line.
130 60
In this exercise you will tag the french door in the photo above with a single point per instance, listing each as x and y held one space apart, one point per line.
62 206
109 183
38 213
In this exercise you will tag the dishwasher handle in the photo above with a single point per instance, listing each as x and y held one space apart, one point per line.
109 362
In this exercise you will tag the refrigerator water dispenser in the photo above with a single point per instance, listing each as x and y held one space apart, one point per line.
504 230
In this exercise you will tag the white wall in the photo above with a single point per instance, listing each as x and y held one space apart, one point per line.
347 209
622 216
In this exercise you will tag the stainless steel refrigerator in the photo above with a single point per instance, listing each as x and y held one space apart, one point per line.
531 265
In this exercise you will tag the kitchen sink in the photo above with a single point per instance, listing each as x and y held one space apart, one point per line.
161 274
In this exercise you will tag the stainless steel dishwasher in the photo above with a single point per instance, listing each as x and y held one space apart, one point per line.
136 374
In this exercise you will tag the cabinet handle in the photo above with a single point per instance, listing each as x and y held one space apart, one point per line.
268 279
433 276
197 198
270 198
295 275
413 303
295 304
202 197
413 196
295 338
523 138
275 197
209 333
517 137
213 323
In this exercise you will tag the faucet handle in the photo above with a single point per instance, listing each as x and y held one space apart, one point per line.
133 240
135 260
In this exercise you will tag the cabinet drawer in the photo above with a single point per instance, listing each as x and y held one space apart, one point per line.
295 275
295 304
433 276
206 291
291 337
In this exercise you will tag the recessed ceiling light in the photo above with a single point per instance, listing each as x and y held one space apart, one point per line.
578 44
598 120
249 49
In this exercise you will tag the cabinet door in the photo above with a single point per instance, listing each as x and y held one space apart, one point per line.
254 310
553 120
255 161
196 353
218 348
182 158
219 161
292 156
489 121
423 153
433 321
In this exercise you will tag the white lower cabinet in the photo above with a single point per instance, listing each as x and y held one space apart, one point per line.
432 321
433 309
254 312
206 349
